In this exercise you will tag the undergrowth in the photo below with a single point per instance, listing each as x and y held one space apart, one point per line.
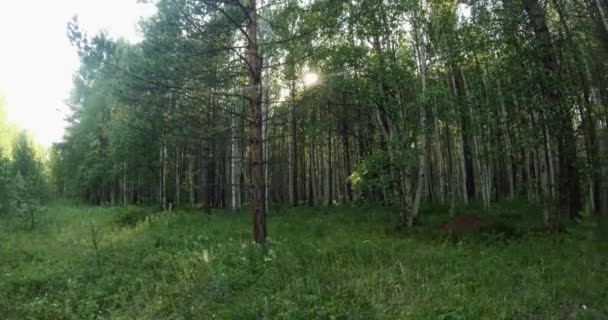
338 263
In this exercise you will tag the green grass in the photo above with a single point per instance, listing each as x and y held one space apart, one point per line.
339 263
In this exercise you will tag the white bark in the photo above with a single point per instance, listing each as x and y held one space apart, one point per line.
422 137
551 166
462 170
177 177
480 172
327 181
124 183
235 161
529 189
313 176
191 197
602 11
508 145
163 177
603 149
544 181
265 145
292 155
263 34
438 156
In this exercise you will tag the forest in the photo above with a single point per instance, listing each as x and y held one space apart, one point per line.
320 159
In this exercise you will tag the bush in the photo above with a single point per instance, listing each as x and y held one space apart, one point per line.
130 216
23 202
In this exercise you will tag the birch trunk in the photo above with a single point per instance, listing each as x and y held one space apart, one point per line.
462 160
507 141
312 181
206 188
163 157
292 156
124 184
327 185
438 156
603 192
544 181
191 196
423 137
348 193
529 187
603 15
235 160
177 178
479 170
451 170
265 144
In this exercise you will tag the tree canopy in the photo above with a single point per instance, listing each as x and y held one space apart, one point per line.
414 101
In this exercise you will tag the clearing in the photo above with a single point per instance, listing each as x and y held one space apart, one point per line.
338 263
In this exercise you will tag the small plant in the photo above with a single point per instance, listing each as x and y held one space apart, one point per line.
95 242
24 203
130 216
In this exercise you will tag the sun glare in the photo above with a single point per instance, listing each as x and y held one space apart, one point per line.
310 78
36 85
464 12
284 94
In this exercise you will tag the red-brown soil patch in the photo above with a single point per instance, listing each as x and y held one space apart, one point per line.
465 224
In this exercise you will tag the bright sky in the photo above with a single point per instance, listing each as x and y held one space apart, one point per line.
37 61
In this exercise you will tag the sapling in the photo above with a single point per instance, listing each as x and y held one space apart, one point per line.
94 241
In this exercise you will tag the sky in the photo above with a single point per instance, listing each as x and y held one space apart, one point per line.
37 61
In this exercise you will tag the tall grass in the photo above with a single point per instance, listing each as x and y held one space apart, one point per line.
340 263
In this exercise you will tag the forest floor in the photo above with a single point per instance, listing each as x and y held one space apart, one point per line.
338 263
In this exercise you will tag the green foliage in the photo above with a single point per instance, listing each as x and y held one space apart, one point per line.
373 174
130 216
5 179
29 181
28 165
378 172
23 180
393 74
8 131
6 139
340 264
24 201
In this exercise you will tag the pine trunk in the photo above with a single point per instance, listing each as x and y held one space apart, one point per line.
256 154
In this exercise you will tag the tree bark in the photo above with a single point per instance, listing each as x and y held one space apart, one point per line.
255 118
205 177
177 178
506 137
569 198
235 169
348 193
327 185
312 181
163 177
603 15
293 154
438 156
124 184
191 196
423 135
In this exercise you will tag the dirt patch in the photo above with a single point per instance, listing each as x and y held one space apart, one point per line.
465 224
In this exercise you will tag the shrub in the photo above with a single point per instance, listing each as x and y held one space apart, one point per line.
130 216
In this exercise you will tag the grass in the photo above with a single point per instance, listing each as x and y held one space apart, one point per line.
338 263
